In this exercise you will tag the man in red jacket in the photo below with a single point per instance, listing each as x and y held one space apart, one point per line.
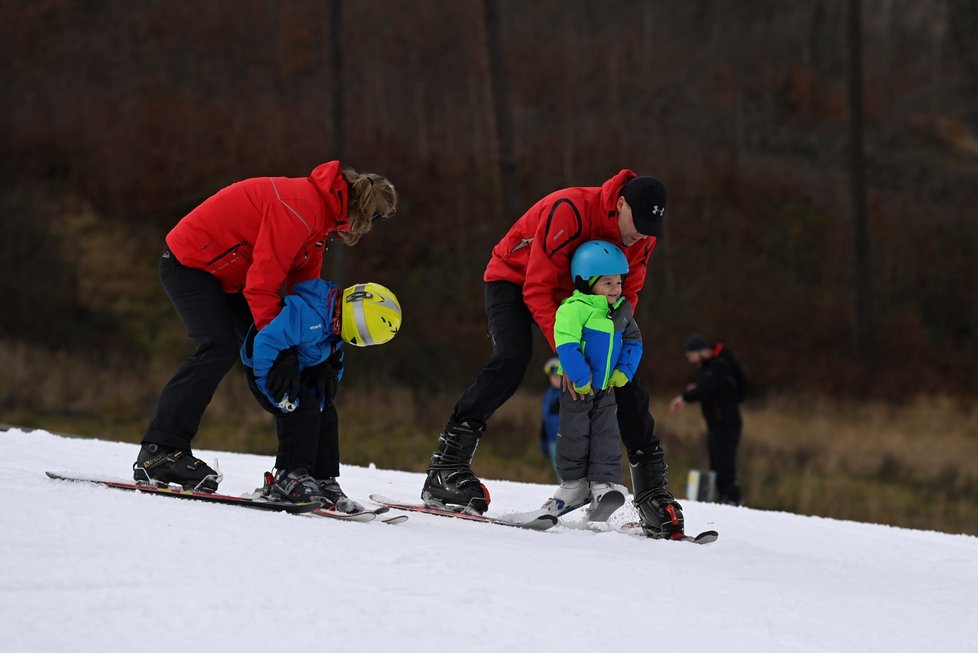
223 267
526 279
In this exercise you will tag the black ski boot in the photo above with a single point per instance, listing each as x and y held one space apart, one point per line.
660 514
336 498
450 479
293 486
159 465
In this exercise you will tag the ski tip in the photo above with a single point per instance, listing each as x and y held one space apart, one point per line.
706 537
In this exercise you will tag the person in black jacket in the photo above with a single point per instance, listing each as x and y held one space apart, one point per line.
720 387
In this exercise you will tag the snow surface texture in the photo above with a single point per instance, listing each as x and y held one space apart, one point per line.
86 568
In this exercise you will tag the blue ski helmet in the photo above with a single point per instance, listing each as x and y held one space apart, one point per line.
596 258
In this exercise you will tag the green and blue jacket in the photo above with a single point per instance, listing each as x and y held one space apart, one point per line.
593 339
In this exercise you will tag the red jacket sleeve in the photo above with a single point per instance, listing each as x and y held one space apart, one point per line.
548 279
280 240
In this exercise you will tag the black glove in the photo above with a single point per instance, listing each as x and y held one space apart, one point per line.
326 376
283 379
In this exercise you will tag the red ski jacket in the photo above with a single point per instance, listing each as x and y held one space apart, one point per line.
537 250
259 233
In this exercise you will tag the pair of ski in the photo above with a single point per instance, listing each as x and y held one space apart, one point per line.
309 507
541 520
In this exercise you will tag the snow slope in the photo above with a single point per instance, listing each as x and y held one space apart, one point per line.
84 568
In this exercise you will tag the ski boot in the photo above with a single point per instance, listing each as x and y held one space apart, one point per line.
336 499
606 498
159 465
295 486
571 495
660 514
450 479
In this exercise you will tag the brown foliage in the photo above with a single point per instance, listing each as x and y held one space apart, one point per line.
138 110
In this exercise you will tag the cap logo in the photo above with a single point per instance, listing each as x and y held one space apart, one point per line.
657 211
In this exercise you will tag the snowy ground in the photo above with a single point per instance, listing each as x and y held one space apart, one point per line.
84 568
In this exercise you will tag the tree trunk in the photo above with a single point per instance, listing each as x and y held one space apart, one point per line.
502 118
857 181
336 260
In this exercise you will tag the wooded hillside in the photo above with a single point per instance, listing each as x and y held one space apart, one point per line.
119 116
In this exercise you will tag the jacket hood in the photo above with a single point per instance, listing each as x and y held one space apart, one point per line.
329 181
606 228
316 294
611 189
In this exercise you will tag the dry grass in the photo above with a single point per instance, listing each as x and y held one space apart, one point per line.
910 464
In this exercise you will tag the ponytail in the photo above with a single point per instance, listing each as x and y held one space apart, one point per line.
372 197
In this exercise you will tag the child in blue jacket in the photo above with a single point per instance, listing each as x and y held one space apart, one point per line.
550 413
295 364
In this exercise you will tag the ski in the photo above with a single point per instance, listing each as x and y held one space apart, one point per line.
180 493
635 528
607 505
532 521
362 516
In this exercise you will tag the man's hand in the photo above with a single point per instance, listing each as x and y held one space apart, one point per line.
676 404
576 391
566 385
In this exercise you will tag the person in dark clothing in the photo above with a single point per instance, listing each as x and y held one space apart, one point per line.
719 387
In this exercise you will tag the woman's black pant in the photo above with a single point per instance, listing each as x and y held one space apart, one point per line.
216 322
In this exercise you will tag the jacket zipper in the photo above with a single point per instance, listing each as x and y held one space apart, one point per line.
233 249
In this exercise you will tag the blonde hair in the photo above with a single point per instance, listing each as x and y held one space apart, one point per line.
371 196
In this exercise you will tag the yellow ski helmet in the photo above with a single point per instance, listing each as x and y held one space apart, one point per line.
552 366
371 315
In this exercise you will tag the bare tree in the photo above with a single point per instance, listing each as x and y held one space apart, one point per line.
857 180
506 164
337 259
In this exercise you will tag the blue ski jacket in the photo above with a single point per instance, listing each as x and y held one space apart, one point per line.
309 321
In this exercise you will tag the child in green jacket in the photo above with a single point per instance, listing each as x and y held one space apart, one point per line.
599 346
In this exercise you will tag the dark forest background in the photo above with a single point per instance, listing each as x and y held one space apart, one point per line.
118 117
821 158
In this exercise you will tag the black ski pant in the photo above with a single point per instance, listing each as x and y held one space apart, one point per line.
510 333
722 445
216 322
308 437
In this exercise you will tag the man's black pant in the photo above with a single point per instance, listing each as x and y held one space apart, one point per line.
216 322
722 444
510 332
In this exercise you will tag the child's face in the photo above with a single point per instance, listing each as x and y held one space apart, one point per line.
555 380
609 285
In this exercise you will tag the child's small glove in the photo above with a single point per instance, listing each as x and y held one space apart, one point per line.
618 379
583 389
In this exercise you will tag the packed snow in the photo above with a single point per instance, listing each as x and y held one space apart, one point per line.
88 568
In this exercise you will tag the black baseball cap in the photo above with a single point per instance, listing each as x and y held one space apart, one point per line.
647 198
696 342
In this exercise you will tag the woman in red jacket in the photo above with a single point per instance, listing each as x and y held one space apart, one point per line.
224 266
